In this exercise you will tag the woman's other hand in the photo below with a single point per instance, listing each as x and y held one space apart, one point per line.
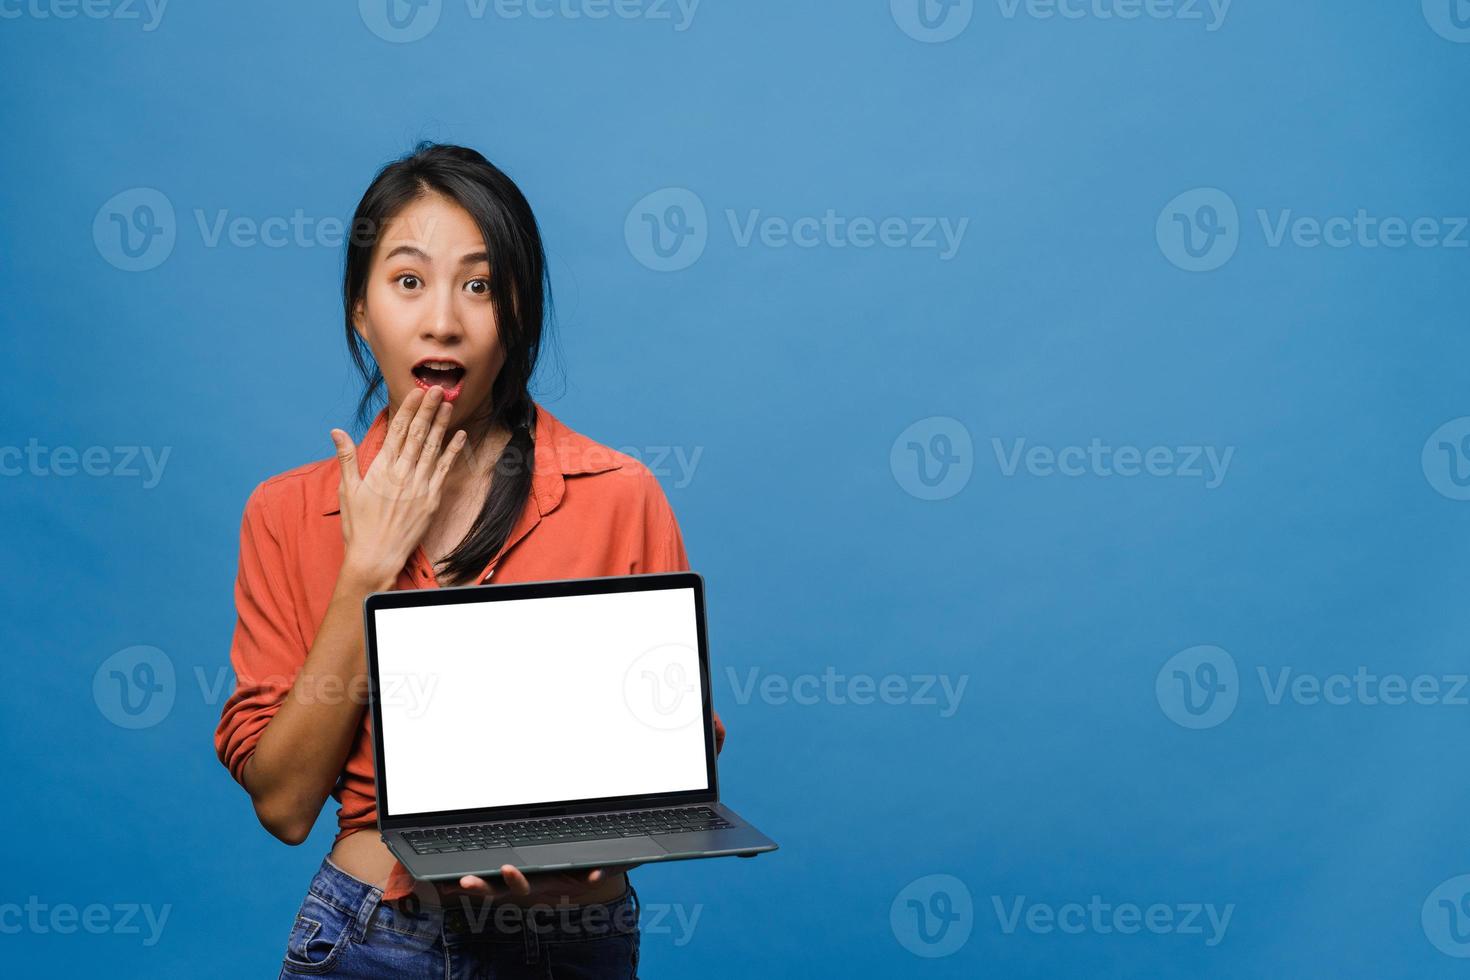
549 886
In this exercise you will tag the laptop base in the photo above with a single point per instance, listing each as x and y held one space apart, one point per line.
739 839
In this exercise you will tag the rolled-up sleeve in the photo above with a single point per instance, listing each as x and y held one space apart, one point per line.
267 650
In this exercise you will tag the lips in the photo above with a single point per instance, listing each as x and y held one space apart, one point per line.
440 372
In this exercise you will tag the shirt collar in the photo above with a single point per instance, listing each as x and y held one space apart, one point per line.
570 454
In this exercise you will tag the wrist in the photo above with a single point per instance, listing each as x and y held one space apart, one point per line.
360 581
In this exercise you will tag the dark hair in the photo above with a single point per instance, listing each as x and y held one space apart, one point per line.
520 293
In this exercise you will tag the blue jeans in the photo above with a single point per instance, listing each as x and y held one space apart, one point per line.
345 929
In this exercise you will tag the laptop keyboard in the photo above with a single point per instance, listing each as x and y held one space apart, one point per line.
564 830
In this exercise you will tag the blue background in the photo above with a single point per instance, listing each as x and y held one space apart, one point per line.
1328 546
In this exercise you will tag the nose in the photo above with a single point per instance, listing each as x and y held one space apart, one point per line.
441 323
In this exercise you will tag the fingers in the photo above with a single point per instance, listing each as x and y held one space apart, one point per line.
418 431
446 462
430 453
514 880
570 880
347 457
476 885
398 428
517 883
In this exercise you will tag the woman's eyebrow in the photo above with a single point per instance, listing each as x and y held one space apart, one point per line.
469 258
412 250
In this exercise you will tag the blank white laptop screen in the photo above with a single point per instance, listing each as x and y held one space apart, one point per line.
528 701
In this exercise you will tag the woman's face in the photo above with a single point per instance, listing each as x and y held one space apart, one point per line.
426 312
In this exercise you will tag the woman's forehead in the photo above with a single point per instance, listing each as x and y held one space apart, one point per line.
435 226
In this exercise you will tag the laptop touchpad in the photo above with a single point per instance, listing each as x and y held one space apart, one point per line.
609 851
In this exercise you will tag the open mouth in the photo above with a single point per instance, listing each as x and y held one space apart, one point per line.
440 373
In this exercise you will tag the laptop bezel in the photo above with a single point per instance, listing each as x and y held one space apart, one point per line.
498 592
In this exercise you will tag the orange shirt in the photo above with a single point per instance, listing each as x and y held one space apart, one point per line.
592 511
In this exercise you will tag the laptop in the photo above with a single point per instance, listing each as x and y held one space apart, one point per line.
551 726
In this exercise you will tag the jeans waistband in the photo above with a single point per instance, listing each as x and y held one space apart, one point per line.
473 915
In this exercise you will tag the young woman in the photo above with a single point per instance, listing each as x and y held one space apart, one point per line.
460 477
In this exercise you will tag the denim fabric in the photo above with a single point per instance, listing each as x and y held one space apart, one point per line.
345 929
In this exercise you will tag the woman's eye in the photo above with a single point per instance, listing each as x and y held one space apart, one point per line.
409 282
480 287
